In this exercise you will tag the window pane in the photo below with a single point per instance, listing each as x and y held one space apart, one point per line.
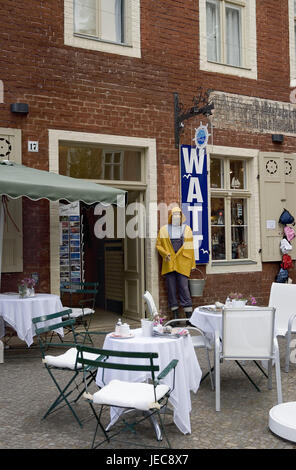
85 17
237 174
111 20
218 228
217 176
213 31
233 36
239 228
89 161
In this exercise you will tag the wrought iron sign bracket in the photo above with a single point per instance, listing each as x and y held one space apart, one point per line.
201 105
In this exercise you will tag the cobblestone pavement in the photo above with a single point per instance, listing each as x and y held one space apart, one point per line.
26 390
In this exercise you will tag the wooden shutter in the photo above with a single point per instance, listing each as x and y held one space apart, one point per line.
277 177
12 253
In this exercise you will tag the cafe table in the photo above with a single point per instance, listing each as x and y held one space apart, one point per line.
18 313
188 371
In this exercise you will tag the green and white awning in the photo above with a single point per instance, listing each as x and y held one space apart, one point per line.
19 180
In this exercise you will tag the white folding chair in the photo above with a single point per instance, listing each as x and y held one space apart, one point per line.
247 335
283 299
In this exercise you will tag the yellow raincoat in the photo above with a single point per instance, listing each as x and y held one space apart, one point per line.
183 261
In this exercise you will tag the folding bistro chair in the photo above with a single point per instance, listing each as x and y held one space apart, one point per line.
66 362
248 335
149 398
87 291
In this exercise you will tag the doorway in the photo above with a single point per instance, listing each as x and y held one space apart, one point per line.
116 263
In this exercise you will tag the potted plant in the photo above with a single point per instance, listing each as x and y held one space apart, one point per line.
150 322
239 300
26 287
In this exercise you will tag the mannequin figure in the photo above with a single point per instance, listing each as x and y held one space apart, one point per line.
175 245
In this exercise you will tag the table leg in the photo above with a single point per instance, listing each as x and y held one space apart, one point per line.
1 352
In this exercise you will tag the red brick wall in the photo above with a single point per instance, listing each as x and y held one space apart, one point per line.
80 90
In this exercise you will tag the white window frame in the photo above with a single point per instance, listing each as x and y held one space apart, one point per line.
248 68
132 44
251 192
112 164
292 40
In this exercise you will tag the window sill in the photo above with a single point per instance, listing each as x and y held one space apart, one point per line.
233 263
103 41
235 67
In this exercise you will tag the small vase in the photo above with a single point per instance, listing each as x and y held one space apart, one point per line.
238 303
147 327
31 291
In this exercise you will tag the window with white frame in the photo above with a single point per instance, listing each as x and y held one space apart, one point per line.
101 19
228 37
230 198
224 32
103 25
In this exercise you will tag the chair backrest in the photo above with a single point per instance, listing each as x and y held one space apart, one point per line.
104 354
248 332
81 288
283 298
150 303
52 322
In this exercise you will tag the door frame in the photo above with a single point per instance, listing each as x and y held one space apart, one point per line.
148 147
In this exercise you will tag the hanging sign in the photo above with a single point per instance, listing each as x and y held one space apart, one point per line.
194 192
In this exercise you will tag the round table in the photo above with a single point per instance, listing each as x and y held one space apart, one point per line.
188 371
18 312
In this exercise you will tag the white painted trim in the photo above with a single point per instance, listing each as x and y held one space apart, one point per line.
254 232
133 27
249 43
148 146
292 51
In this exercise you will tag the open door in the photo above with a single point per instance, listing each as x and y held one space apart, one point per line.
134 256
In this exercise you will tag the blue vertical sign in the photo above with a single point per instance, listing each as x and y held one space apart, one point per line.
194 193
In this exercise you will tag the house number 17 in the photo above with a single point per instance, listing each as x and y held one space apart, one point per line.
32 146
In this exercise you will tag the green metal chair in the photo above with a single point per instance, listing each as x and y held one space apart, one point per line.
148 398
66 362
87 291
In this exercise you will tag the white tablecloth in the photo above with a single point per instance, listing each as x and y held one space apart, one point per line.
208 322
18 313
188 371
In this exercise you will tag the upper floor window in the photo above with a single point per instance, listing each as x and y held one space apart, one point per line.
228 37
103 25
102 19
224 32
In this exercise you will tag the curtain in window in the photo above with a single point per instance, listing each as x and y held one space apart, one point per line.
111 20
85 17
213 32
233 36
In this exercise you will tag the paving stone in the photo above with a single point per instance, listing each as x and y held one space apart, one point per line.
26 391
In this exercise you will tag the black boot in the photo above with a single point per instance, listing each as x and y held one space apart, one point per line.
176 314
188 314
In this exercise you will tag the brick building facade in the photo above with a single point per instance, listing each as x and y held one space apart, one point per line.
84 90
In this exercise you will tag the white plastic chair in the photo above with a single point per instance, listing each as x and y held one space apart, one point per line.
199 341
283 299
150 303
248 335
